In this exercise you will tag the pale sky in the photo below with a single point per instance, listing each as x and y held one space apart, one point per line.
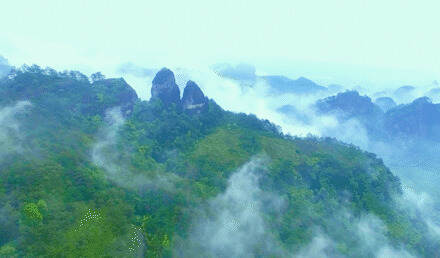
335 41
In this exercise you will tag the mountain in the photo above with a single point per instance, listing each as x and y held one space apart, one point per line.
434 94
245 75
419 119
241 72
282 84
165 88
405 93
193 98
404 90
385 103
90 170
350 105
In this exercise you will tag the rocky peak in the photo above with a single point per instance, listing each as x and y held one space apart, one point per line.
165 87
193 97
349 104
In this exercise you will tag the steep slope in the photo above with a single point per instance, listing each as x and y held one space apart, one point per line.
419 119
100 173
350 105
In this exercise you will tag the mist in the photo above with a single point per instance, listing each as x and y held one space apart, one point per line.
414 162
11 135
237 52
4 66
304 119
233 224
109 154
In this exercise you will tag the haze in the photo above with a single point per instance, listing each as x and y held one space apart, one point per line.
368 43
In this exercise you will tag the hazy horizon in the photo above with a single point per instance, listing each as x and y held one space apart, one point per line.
353 43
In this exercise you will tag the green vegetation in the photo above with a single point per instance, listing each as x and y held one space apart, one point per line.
56 202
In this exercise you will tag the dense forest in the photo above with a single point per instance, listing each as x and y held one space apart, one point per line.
87 169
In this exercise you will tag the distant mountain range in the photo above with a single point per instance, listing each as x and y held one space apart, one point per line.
90 170
245 74
419 119
281 84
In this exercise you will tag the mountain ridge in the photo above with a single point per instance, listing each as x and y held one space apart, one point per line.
154 171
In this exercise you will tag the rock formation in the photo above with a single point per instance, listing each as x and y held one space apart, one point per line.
165 87
193 97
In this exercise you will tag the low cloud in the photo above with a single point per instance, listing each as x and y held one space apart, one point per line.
11 135
321 246
136 70
371 232
233 224
366 238
244 73
107 154
421 205
4 66
234 96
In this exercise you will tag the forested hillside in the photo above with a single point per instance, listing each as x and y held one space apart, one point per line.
87 169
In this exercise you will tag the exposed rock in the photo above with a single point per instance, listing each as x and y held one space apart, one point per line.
193 97
165 87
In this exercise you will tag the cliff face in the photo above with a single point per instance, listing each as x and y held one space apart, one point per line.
165 87
193 98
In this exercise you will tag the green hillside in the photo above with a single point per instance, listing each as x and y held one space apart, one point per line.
89 170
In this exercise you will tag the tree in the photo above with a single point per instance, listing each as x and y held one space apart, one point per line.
97 77
8 251
31 211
